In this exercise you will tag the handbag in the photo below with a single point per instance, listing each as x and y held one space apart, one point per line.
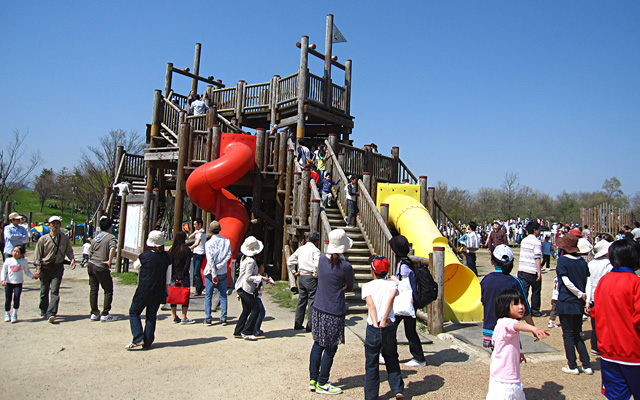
178 294
403 303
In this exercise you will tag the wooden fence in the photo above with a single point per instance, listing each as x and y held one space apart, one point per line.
606 218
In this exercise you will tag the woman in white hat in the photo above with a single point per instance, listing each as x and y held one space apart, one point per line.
247 288
153 280
598 267
335 276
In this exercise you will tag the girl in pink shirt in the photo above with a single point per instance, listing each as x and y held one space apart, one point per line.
505 383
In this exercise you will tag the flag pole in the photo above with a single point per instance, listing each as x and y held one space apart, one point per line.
328 43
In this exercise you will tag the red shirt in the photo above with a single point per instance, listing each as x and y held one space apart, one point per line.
617 316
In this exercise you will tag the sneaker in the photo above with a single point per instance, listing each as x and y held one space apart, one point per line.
595 352
298 327
43 316
536 314
165 307
132 345
177 320
551 325
415 363
346 221
380 359
187 321
224 322
312 385
52 319
207 322
14 318
248 337
108 318
574 371
587 371
94 317
238 335
327 388
260 332
399 395
7 317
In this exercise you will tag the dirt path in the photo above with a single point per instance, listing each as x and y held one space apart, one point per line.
77 358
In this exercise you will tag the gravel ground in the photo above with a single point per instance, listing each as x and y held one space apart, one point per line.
77 358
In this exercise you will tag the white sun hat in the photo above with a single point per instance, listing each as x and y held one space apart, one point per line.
601 248
584 246
155 239
339 242
251 246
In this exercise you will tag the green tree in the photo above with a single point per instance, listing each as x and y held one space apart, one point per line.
615 195
13 173
45 186
567 207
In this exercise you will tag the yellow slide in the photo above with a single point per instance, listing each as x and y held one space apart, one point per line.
411 219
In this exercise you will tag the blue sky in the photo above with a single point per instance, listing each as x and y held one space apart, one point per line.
469 90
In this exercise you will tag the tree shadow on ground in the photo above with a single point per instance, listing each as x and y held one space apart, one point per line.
187 342
548 391
446 356
429 383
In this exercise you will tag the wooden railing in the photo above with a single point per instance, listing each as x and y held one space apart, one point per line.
287 91
354 159
199 151
179 101
171 118
198 122
315 88
225 99
257 97
338 97
448 228
384 168
133 166
404 174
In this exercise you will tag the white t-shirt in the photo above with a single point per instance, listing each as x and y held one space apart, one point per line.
379 290
199 249
85 248
530 250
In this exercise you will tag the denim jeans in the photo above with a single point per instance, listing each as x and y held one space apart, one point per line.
250 309
307 286
197 272
12 290
381 340
261 315
530 281
415 345
148 335
50 281
100 277
571 330
208 295
471 262
353 211
320 362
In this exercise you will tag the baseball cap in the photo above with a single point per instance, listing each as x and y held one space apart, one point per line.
54 218
503 253
14 215
214 226
379 264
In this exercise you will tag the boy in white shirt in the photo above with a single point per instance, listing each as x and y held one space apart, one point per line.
86 247
381 331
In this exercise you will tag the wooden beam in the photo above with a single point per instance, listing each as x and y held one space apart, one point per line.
263 216
321 56
190 75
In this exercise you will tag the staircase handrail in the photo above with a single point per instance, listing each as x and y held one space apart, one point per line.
404 172
325 226
116 180
453 239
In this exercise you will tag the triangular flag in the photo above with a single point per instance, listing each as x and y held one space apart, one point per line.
336 36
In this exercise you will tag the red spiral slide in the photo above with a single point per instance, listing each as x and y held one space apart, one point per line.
205 186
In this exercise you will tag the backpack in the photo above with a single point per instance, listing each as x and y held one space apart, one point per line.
426 288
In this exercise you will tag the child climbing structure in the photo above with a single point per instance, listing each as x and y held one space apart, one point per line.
236 164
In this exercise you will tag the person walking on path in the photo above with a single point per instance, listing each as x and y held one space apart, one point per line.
180 255
400 246
598 268
305 258
493 285
505 382
198 248
472 244
380 336
335 276
218 250
14 235
153 281
496 237
12 279
247 287
573 274
547 248
101 253
617 315
49 258
529 266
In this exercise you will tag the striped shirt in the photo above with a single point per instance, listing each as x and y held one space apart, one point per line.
530 250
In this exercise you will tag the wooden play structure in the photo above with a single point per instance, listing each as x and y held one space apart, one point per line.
605 218
242 153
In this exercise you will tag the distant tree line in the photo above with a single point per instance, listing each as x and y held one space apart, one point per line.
512 200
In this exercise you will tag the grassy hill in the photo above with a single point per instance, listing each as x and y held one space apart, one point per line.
27 201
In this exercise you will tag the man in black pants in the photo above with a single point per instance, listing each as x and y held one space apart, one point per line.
101 253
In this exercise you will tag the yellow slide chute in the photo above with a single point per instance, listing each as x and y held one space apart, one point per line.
411 219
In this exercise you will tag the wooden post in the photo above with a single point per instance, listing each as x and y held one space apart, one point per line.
431 197
328 43
105 201
146 212
347 86
341 162
295 213
73 231
156 207
333 142
366 180
368 158
183 137
435 310
156 117
118 160
260 145
282 159
424 197
196 68
215 142
240 102
304 196
167 79
122 223
288 182
395 153
303 78
315 215
384 212
273 102
374 189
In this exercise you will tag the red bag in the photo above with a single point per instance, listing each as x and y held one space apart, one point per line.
178 295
